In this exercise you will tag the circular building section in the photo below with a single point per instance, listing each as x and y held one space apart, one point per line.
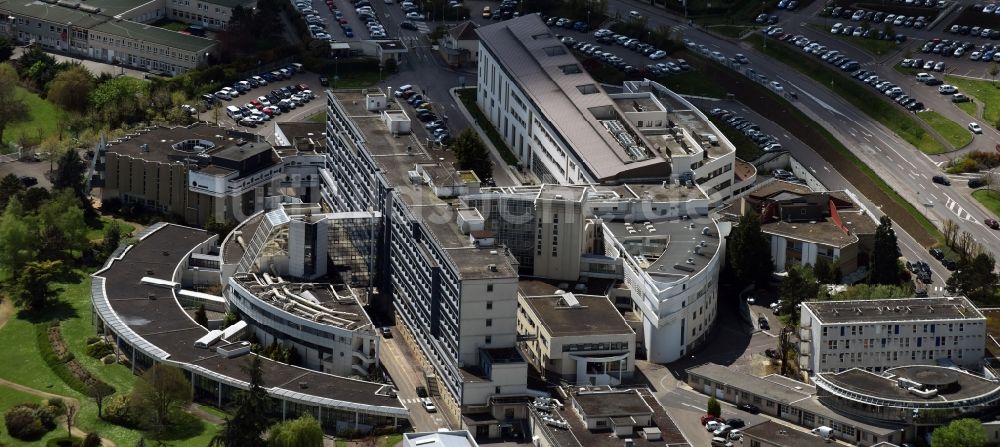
917 394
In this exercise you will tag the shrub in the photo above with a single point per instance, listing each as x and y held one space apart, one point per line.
99 349
27 423
57 404
92 440
116 411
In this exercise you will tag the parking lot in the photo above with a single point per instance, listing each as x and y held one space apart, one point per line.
299 113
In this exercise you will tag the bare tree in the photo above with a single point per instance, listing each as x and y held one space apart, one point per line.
950 229
70 413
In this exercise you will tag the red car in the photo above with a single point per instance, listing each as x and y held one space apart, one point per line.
707 418
992 224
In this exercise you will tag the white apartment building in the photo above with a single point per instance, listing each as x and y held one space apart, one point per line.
876 335
566 129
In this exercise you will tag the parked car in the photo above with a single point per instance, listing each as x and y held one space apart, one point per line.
421 391
749 408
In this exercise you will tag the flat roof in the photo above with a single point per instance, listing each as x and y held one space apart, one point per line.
53 13
953 385
154 34
160 142
669 249
535 59
594 315
902 309
781 436
768 389
655 191
579 436
396 156
154 314
612 403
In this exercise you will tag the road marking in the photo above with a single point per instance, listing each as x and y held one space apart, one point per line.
954 207
691 405
827 169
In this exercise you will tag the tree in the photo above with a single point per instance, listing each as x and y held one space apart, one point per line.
99 393
302 432
959 433
92 440
12 105
16 238
159 392
249 420
975 279
10 186
200 316
71 88
472 153
32 286
62 225
885 258
749 252
69 172
714 407
119 100
798 286
70 413
112 238
37 68
6 49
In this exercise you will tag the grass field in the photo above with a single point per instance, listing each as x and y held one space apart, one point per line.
985 92
318 118
968 107
862 97
989 199
42 120
956 135
24 365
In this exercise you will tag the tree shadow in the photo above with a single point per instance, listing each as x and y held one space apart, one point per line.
56 310
183 426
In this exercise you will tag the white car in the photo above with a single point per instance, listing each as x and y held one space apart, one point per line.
712 426
658 54
634 14
264 101
975 128
924 77
414 16
429 405
836 28
776 86
947 89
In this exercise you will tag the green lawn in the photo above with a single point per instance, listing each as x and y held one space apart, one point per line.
468 97
989 199
24 365
746 149
862 97
9 398
968 107
94 234
985 92
171 25
360 79
318 118
41 122
956 135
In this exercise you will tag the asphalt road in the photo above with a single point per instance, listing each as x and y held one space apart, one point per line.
902 166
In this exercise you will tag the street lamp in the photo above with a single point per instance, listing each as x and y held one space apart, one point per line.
336 67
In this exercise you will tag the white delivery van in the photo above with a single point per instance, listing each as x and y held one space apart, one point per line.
823 432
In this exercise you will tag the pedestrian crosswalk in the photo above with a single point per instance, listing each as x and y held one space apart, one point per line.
954 207
422 27
414 400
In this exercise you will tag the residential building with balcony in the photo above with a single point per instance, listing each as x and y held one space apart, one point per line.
580 339
876 335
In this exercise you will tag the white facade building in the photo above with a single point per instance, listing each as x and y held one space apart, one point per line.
566 129
879 334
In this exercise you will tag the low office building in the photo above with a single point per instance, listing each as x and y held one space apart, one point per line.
773 434
876 335
918 395
460 438
136 304
109 31
198 173
460 45
601 416
581 339
211 14
295 274
804 226
792 401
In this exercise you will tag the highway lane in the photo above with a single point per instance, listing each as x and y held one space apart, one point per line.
902 166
